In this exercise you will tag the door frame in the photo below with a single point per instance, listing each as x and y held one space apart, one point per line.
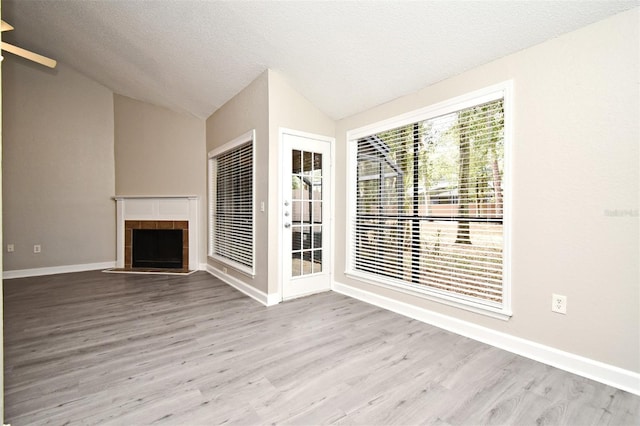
281 196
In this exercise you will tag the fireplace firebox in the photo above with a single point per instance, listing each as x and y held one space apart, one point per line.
157 248
156 244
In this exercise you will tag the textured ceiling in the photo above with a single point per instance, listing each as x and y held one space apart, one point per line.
345 57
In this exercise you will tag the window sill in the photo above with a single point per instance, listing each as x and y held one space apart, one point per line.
233 265
434 295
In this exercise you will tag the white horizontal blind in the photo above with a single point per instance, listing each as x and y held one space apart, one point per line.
231 217
429 204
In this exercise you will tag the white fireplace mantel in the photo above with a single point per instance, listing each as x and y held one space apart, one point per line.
162 207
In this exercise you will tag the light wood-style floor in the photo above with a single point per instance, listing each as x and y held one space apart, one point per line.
96 348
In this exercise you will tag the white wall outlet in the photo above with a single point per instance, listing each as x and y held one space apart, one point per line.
559 303
11 248
224 270
37 248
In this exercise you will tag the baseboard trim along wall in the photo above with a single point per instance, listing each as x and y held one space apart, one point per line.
595 370
51 270
264 298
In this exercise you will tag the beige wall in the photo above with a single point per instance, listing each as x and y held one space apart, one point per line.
58 170
266 105
160 152
576 137
246 111
287 109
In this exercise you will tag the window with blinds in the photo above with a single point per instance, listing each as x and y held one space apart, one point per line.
231 214
429 201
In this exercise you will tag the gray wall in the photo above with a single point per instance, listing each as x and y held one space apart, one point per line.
266 105
246 111
58 169
287 109
160 152
575 163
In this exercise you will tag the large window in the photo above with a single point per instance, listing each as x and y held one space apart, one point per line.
428 202
231 206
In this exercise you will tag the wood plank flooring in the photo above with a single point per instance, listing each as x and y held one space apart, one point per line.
95 348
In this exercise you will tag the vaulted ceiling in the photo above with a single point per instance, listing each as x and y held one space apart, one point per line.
345 57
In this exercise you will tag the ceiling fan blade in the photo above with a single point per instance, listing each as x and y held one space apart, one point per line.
5 27
47 62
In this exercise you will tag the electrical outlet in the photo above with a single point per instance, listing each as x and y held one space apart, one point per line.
559 303
11 248
224 270
37 248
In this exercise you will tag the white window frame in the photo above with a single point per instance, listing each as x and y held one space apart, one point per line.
243 139
502 90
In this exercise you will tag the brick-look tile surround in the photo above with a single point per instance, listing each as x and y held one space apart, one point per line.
130 225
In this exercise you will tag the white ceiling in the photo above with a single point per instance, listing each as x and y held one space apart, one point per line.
345 57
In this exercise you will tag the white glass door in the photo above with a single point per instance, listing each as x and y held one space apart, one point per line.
305 207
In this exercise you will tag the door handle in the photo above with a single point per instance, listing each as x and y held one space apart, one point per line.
287 225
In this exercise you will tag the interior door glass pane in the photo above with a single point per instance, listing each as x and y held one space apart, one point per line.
296 211
317 161
296 186
307 264
296 161
307 165
317 212
317 188
316 196
296 264
306 237
317 261
296 238
317 237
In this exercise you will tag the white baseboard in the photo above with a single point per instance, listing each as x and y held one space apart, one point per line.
36 272
264 298
604 373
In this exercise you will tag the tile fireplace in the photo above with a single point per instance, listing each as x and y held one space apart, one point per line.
157 232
